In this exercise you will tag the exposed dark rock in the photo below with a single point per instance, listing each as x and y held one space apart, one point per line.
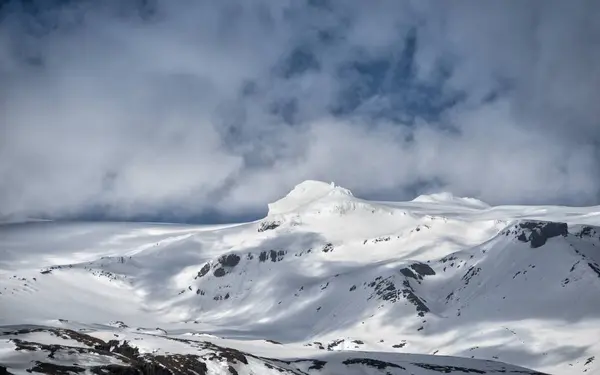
204 270
417 271
471 272
219 272
448 258
171 364
230 355
115 346
385 289
589 360
120 324
381 365
352 288
586 231
334 343
422 269
268 225
317 364
327 248
58 332
229 260
595 268
54 369
381 239
82 338
409 293
274 255
448 369
408 273
538 232
573 267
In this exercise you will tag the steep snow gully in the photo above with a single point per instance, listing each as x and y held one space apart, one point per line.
327 283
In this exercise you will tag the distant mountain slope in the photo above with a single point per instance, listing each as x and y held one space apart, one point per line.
325 272
63 351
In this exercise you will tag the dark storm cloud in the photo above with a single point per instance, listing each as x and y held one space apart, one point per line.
141 108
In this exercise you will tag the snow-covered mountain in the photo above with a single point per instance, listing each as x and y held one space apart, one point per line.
327 283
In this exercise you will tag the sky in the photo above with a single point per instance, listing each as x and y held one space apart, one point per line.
206 111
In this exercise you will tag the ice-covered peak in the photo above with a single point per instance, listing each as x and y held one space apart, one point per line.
449 198
305 193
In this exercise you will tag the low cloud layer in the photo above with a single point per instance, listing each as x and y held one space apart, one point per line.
186 109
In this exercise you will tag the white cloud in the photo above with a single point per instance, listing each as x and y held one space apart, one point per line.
181 110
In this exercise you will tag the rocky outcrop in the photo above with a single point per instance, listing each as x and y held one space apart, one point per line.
537 233
268 225
417 271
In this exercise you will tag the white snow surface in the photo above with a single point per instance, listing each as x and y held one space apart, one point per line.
439 280
446 197
309 194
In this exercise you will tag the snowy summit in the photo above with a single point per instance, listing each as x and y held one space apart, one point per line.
306 193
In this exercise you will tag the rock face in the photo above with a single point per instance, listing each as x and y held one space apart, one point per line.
417 271
205 269
229 260
537 233
587 231
268 225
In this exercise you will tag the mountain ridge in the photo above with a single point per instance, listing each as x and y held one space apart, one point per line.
436 277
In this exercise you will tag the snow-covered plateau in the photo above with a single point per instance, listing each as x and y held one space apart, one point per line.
327 283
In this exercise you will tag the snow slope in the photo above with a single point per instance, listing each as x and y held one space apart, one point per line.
365 287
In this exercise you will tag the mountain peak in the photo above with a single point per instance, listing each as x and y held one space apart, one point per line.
305 193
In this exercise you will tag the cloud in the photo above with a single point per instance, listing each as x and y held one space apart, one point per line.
190 108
